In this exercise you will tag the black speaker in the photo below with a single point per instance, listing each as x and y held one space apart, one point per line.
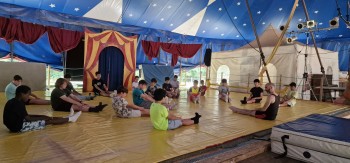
207 57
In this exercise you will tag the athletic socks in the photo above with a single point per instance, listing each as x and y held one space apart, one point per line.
244 101
71 113
101 107
74 117
95 109
196 118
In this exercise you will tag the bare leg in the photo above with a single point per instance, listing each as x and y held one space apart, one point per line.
105 94
243 111
284 104
187 122
251 101
56 121
39 102
84 108
145 113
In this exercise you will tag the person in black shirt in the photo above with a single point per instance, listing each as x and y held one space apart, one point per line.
168 88
256 94
99 86
16 118
268 111
64 100
70 88
152 87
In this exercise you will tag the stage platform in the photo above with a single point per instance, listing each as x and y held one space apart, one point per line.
101 137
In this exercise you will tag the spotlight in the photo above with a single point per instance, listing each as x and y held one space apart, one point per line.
334 23
290 40
310 24
301 25
282 27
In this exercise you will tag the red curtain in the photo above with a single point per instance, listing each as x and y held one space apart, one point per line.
63 40
14 29
151 49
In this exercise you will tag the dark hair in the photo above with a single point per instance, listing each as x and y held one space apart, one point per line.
59 82
122 89
17 77
154 80
167 78
256 81
137 77
67 76
202 81
159 94
223 81
292 84
142 82
22 89
97 72
195 81
175 76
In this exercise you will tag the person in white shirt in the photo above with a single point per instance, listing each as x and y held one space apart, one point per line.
176 85
135 83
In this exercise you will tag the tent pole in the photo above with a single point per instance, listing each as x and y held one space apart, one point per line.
313 38
49 78
180 69
200 65
248 83
64 62
283 32
280 87
262 56
11 51
159 52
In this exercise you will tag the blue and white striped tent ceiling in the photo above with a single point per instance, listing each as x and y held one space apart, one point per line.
203 18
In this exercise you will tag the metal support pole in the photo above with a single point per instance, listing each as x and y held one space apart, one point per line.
248 83
49 77
11 51
64 62
313 38
200 65
262 56
159 51
280 85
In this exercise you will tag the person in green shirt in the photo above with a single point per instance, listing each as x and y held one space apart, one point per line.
162 119
290 99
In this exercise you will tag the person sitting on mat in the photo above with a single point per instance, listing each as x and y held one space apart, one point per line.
64 100
224 91
152 87
70 88
269 110
290 99
17 119
10 93
169 88
125 110
135 83
202 88
176 86
99 86
162 119
193 92
140 98
256 94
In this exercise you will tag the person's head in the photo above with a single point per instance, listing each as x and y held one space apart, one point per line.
293 86
202 82
195 83
175 77
224 82
122 91
159 95
98 75
270 88
256 82
136 78
23 92
167 80
17 80
142 84
68 77
61 83
153 82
